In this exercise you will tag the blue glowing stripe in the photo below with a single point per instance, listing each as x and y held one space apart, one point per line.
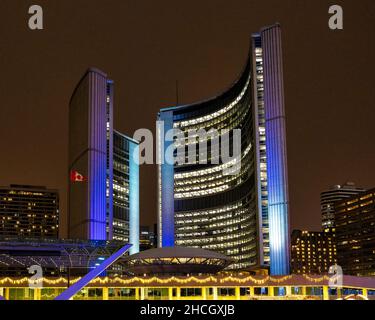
133 197
278 199
72 290
167 187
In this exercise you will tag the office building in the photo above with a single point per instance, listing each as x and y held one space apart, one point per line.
125 191
243 215
312 252
147 238
334 194
29 211
355 234
103 167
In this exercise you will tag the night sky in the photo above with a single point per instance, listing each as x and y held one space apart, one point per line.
145 46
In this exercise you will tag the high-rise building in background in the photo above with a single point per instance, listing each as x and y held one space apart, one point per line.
312 252
334 194
103 167
29 212
245 215
147 238
355 234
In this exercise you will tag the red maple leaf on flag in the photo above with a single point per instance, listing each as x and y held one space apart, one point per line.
75 176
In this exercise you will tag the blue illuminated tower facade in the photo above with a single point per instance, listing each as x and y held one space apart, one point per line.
103 167
88 157
276 150
244 215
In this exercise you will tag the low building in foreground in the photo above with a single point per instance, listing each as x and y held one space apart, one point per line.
312 252
217 287
355 234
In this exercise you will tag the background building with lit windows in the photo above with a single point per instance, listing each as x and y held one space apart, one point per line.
147 238
104 202
245 215
355 234
29 211
334 194
312 252
125 188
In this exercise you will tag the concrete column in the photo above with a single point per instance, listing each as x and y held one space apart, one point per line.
37 293
365 292
170 293
178 293
204 293
304 291
288 291
252 291
325 293
105 293
237 293
6 293
136 293
215 294
339 292
271 291
143 293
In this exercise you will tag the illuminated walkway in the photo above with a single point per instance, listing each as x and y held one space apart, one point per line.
193 288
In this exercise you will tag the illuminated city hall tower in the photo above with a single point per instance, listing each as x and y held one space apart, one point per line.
245 215
103 167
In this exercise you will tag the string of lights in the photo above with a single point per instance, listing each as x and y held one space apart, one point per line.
156 280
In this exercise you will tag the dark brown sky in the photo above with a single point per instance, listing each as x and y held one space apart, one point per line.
146 45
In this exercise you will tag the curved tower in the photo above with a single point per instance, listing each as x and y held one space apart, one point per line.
244 213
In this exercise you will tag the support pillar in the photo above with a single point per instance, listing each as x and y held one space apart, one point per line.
136 293
325 293
288 291
252 291
178 293
37 294
143 293
215 295
170 293
304 291
339 292
271 291
365 292
105 293
204 293
6 293
237 293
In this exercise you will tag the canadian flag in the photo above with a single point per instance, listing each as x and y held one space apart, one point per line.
75 176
